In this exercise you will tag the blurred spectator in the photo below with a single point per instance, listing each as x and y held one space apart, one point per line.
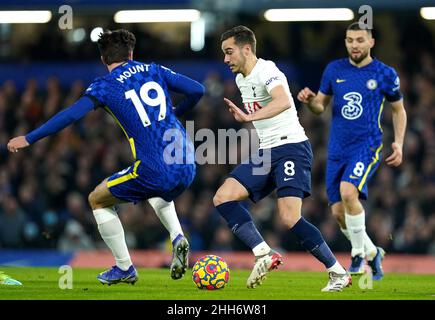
74 238
12 222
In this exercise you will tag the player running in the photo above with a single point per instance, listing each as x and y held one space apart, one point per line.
358 86
268 101
136 95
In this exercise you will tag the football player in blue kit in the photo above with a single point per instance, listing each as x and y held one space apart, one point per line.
358 87
137 96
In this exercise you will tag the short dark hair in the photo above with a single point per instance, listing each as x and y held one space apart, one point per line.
115 46
242 35
359 26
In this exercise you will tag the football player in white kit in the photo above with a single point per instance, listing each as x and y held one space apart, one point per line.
269 105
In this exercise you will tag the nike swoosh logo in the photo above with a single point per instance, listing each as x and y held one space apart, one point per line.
353 177
287 179
340 80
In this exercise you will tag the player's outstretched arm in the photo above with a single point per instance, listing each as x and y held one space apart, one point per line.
17 143
193 92
281 101
316 103
59 121
399 124
179 83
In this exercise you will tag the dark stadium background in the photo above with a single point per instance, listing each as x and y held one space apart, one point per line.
43 190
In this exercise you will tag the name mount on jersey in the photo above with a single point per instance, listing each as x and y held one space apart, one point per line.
131 71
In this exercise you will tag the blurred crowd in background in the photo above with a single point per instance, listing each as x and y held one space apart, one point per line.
44 188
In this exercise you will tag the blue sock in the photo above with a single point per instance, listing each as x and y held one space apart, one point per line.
312 241
176 239
240 222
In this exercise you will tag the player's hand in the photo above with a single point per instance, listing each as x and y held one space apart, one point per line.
395 159
17 143
238 114
305 95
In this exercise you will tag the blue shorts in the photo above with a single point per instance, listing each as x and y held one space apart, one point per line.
138 182
356 169
286 168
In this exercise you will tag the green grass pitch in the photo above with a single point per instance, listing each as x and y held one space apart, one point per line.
156 284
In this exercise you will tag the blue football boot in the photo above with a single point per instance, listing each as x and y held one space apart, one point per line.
376 264
357 265
116 275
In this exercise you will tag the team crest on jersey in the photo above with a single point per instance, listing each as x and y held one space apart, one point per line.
253 90
372 84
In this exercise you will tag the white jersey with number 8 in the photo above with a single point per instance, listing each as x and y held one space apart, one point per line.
255 89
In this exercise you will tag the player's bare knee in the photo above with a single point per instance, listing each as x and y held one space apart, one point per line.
289 220
289 216
348 195
93 200
225 195
219 198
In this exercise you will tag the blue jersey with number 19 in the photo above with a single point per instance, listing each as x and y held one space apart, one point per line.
358 100
137 96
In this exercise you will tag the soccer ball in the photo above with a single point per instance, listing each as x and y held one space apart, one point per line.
210 272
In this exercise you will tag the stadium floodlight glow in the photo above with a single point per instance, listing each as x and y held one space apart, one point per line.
95 34
197 35
78 35
314 14
25 16
143 16
428 13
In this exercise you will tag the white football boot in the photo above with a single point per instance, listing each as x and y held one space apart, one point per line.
263 265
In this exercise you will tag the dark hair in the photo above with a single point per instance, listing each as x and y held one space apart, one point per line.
242 35
115 46
359 26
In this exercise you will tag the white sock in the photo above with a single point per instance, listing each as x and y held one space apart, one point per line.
261 249
346 233
111 231
167 215
337 268
369 248
356 227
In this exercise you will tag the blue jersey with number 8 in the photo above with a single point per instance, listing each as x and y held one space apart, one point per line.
359 95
